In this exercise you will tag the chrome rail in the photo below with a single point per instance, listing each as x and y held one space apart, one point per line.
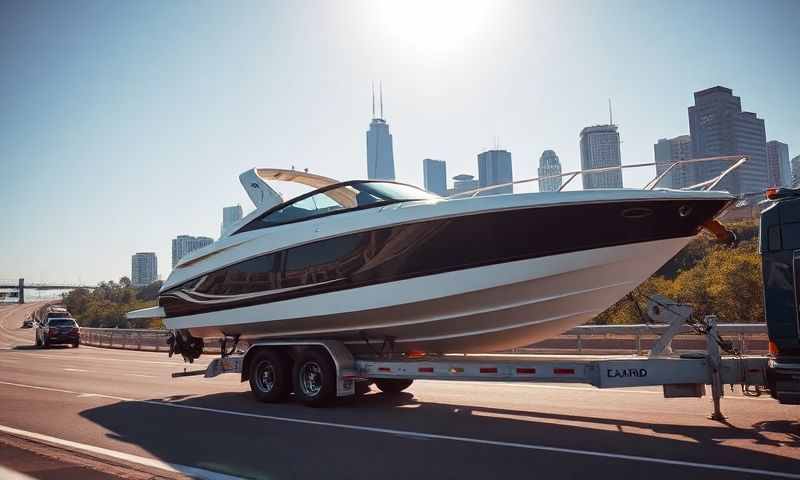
711 183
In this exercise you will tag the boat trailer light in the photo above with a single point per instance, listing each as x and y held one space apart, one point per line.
771 193
773 347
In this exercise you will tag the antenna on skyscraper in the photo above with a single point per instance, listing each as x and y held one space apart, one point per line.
373 99
380 86
610 115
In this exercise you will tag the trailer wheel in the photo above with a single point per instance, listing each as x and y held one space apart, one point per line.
314 377
269 376
392 385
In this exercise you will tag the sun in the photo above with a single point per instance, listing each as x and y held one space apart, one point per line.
434 26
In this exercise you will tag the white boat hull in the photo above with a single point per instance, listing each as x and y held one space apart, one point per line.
481 309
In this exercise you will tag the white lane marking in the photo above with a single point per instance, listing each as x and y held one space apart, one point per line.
587 389
194 472
139 375
105 359
76 370
434 436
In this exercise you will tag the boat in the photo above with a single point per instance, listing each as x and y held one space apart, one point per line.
380 265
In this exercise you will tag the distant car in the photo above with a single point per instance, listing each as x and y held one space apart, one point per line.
58 331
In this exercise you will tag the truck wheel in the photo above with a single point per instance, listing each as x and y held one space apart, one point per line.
269 376
314 378
392 385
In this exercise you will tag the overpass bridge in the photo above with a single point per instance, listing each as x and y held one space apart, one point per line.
19 285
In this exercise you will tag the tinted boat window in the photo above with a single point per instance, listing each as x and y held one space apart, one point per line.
324 261
254 275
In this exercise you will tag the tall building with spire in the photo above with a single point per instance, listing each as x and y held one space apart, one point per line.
380 154
549 165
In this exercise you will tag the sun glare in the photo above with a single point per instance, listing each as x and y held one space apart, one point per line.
434 26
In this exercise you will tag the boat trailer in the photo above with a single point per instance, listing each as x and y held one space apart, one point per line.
680 376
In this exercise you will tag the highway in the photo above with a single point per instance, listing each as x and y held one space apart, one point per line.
124 407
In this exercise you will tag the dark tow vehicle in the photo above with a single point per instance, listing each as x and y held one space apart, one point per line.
779 246
58 330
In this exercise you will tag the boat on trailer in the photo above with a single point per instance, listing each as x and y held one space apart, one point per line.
384 266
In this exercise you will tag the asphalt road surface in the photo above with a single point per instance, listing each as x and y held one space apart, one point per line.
123 405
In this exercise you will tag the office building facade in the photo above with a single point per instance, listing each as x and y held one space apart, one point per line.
144 269
230 215
719 127
779 169
668 151
434 174
796 171
549 165
463 183
600 148
183 244
495 168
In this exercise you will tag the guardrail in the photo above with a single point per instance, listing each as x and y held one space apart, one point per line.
586 339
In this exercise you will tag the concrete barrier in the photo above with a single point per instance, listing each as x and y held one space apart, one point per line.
749 338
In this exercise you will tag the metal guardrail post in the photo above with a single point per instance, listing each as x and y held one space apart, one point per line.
742 344
580 343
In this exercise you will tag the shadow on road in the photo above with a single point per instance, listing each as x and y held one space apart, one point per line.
34 347
244 444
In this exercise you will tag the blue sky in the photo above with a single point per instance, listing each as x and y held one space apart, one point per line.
123 124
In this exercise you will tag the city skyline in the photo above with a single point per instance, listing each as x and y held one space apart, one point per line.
126 100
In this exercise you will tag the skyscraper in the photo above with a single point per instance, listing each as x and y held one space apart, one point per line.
435 176
380 154
600 149
549 165
144 269
779 171
183 244
230 215
669 151
718 126
494 168
796 171
463 183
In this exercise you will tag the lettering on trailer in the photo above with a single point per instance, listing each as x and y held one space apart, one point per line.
626 372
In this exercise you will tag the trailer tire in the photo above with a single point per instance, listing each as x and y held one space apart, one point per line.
314 377
392 385
269 376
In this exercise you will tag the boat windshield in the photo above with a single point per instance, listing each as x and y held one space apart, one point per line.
348 196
